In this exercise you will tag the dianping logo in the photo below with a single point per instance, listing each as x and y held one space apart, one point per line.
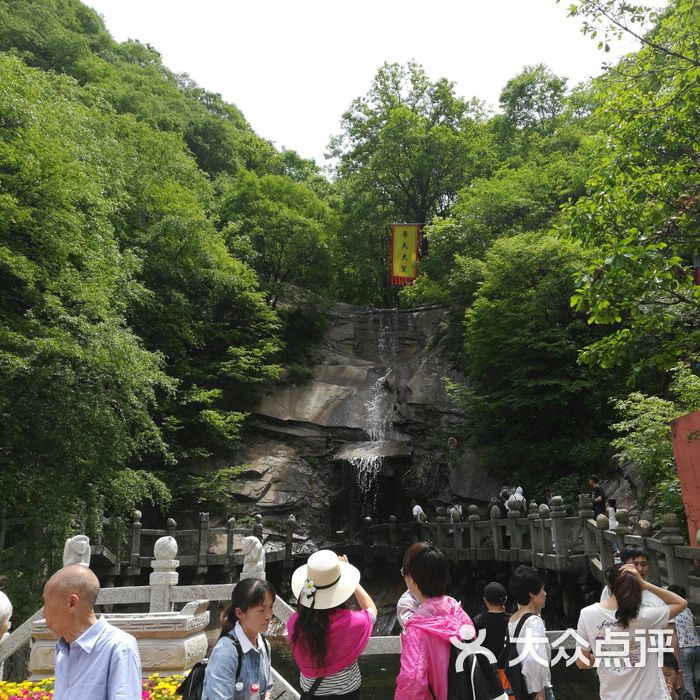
470 647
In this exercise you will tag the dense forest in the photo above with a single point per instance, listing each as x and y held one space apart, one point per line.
160 262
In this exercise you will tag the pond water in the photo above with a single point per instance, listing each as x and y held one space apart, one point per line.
379 675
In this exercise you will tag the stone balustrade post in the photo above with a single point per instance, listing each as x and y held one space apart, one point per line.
258 527
440 521
559 536
546 532
474 532
676 568
533 517
458 538
230 568
516 534
170 526
290 526
605 549
585 511
646 531
623 527
393 532
230 538
135 555
497 536
164 575
203 543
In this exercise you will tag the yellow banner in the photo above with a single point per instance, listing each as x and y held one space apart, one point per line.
404 253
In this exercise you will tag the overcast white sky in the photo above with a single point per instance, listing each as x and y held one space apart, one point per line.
293 67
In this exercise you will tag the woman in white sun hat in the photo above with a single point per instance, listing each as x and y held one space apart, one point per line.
325 636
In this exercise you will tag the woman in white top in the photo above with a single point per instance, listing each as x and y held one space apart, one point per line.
612 511
688 644
527 587
622 633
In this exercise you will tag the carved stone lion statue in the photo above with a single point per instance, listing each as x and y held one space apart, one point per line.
77 551
253 558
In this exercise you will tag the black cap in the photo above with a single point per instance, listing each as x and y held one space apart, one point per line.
495 593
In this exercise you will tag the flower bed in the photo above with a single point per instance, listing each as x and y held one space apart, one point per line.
154 688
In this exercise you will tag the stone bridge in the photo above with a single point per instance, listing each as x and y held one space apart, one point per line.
548 538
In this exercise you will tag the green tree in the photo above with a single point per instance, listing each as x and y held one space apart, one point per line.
281 227
524 195
406 148
76 385
642 211
534 409
534 99
411 140
644 437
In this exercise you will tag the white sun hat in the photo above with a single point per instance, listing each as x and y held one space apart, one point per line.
324 581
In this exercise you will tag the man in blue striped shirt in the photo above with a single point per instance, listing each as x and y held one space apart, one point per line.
94 661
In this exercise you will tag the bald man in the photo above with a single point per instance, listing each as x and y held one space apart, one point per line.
94 661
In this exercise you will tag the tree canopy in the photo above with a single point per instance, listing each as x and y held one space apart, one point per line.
642 210
406 149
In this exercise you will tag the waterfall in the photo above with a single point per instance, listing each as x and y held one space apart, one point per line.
367 469
378 411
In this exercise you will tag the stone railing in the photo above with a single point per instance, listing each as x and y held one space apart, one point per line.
200 547
547 538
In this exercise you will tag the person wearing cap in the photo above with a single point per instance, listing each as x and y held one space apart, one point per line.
425 642
495 620
325 636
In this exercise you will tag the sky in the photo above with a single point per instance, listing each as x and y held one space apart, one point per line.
293 68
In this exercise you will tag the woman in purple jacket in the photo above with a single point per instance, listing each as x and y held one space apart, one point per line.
425 643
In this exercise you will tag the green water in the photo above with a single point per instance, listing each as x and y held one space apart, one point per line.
379 675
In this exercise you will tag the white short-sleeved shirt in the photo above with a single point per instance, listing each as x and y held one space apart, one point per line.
536 652
417 512
633 672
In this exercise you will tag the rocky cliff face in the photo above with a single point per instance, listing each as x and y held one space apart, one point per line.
369 430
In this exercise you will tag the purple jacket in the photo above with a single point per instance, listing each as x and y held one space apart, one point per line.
425 648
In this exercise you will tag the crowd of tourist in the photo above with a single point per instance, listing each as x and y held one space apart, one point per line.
640 639
623 637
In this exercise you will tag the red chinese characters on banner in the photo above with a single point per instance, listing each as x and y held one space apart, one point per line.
404 253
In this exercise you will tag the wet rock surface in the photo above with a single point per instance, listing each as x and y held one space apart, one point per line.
368 428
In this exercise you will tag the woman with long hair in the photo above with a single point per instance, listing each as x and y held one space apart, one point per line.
617 633
425 643
325 636
241 657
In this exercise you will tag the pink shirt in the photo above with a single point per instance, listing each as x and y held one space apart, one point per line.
348 634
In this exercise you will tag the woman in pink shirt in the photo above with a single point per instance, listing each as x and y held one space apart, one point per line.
325 636
425 643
